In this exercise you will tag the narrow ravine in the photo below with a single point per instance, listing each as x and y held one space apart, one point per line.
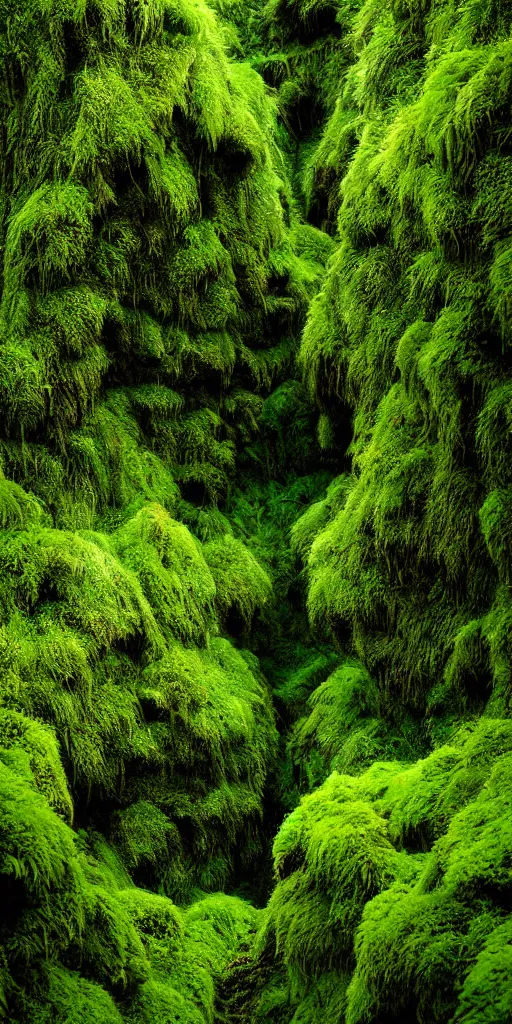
256 512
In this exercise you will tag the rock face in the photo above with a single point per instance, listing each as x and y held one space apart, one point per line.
256 511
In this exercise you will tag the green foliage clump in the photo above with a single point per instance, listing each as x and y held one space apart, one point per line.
31 747
406 337
112 640
392 893
345 729
242 585
79 941
144 216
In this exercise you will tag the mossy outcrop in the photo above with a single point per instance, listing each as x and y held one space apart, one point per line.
393 892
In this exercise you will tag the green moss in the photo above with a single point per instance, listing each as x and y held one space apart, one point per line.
50 233
241 582
159 924
20 734
166 479
486 993
345 730
70 999
397 877
396 336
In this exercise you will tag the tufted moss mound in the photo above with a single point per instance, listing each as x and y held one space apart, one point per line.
408 334
80 942
393 894
112 640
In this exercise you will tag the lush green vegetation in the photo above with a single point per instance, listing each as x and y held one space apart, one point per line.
256 512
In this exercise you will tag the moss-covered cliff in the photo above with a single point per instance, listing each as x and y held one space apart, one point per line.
255 499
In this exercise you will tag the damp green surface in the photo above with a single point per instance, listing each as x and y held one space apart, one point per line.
255 512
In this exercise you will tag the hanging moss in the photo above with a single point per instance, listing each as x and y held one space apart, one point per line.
403 334
237 587
407 556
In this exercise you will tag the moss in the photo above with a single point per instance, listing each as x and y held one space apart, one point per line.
114 175
167 480
241 582
486 995
159 924
70 999
421 896
345 729
19 733
172 569
47 236
143 834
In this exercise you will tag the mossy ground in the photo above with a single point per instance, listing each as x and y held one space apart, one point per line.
255 503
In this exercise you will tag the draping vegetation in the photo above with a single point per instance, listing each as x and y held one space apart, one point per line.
256 512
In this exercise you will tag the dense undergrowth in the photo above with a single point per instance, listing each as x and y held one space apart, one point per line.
241 579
